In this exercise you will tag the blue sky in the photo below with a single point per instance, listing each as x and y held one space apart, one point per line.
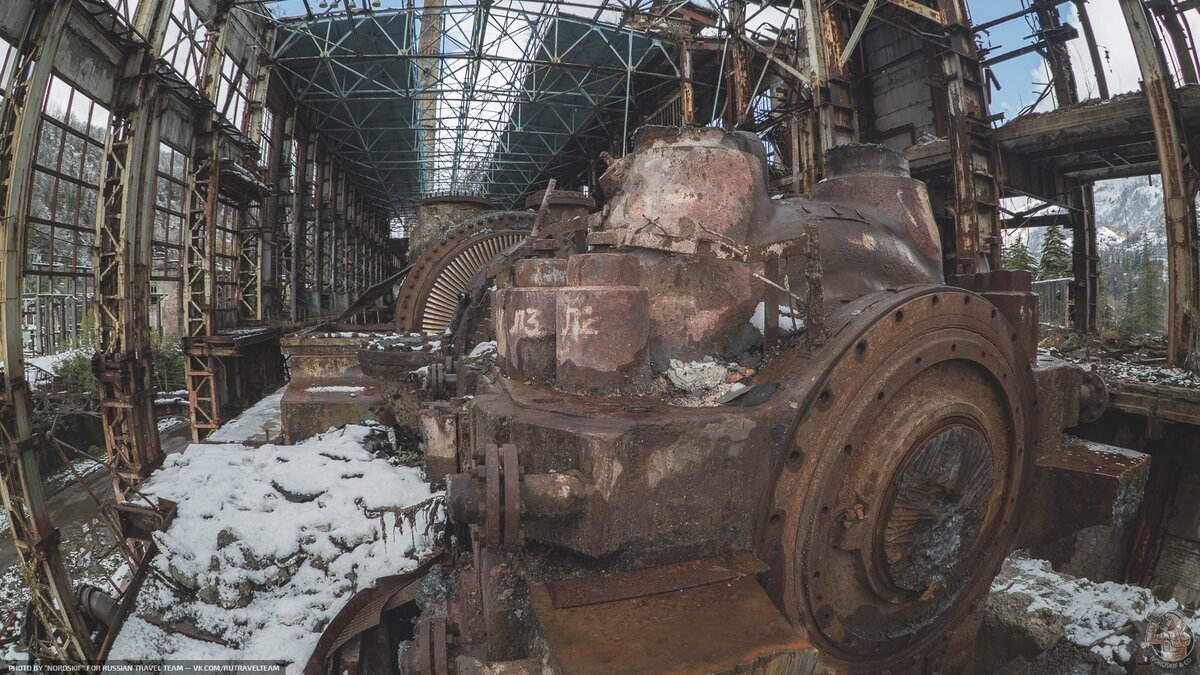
1022 78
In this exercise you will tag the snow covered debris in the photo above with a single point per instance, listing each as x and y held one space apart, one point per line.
343 334
260 422
696 377
1129 368
412 342
481 349
269 543
1108 619
1139 372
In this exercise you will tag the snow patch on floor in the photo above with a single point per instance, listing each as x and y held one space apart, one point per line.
482 349
260 422
171 422
269 543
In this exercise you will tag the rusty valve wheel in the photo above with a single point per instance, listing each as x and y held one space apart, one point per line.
901 493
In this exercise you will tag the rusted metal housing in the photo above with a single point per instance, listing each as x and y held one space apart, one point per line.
852 506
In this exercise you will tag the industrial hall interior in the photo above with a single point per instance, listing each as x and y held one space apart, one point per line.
511 337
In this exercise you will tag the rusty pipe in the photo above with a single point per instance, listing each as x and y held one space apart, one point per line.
98 608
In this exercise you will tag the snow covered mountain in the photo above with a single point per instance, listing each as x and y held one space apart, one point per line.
1129 211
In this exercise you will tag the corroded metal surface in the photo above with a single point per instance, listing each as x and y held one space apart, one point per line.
663 579
328 387
525 324
934 513
602 321
719 627
1080 484
857 501
309 408
857 535
439 214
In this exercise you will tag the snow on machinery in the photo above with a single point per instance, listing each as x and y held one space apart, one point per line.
846 510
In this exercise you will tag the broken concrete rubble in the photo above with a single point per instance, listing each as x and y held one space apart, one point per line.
697 376
1049 622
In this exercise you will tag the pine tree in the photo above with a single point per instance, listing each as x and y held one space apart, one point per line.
1056 255
1142 304
1127 319
1017 257
1149 295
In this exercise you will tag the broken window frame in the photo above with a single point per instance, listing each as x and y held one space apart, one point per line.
183 48
170 181
233 92
7 52
58 291
226 220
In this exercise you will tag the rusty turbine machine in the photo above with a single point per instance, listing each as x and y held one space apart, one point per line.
846 511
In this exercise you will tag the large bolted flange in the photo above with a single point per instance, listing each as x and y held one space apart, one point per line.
900 494
497 496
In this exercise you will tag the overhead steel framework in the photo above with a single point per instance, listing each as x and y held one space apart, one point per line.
479 98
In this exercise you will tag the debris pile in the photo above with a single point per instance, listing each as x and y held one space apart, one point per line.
268 543
704 384
1140 359
696 377
1059 623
